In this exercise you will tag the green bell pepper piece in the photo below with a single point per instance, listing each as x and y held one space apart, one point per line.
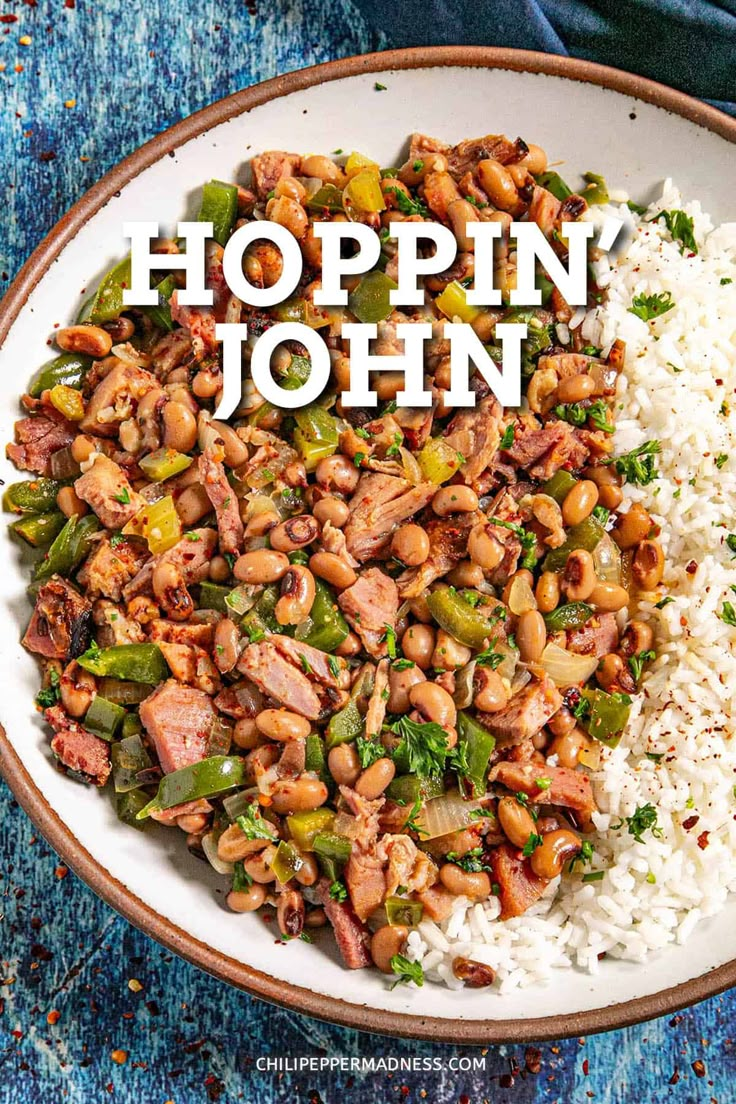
407 789
220 207
315 758
329 627
160 314
108 300
479 743
39 529
132 662
286 862
585 535
344 726
68 549
315 436
129 806
609 714
332 853
560 485
303 827
596 189
69 369
570 616
403 913
212 596
129 757
132 726
328 197
164 463
31 496
104 718
554 183
207 778
452 613
261 619
370 300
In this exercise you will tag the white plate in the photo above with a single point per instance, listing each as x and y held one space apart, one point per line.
635 145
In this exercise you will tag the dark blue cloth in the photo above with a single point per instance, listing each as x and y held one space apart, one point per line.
689 44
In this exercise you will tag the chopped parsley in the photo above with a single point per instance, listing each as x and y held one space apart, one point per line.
192 536
507 439
363 433
594 876
369 751
471 861
725 280
584 855
543 783
680 227
334 666
528 540
417 166
636 662
390 637
49 695
731 544
721 459
648 307
728 614
643 820
403 664
123 498
411 822
253 826
406 204
663 602
655 756
471 597
359 458
116 539
241 878
601 514
379 87
531 844
338 891
578 415
306 665
489 658
638 465
425 746
406 971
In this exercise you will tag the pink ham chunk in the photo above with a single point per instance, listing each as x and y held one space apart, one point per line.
179 720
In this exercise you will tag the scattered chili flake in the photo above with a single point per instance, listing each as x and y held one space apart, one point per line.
8 18
703 840
690 822
53 1016
18 68
120 1056
691 567
675 1076
533 1060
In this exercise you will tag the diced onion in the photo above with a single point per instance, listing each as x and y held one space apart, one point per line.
238 803
590 757
567 668
463 696
411 468
607 560
346 825
129 355
445 814
521 596
208 434
507 667
210 850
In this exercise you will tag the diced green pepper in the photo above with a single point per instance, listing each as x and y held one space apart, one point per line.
452 613
329 627
132 725
332 852
212 596
570 616
261 619
305 826
554 183
69 368
129 806
108 300
160 313
560 485
585 535
220 207
315 758
408 789
132 662
286 862
369 302
207 778
609 714
479 743
129 758
439 461
316 435
344 726
596 189
164 463
403 913
39 529
31 496
453 302
68 549
104 718
328 197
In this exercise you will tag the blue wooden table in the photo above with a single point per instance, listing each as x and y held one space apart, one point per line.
90 1008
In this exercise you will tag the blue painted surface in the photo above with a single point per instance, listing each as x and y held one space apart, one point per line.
132 70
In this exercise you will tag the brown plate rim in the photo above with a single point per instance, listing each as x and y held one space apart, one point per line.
113 892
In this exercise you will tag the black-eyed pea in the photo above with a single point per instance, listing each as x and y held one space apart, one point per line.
298 795
484 549
573 389
246 734
344 764
308 872
333 569
476 975
375 778
350 646
464 884
246 900
282 725
579 578
647 567
434 703
258 865
332 510
410 544
227 645
491 693
568 745
580 502
418 643
294 533
554 851
547 591
91 340
466 574
449 653
233 845
261 566
179 427
400 683
608 597
455 499
297 596
531 635
497 183
386 942
632 527
516 821
337 473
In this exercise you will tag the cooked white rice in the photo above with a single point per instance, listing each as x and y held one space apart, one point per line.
679 388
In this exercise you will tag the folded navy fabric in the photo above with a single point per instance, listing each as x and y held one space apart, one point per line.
689 44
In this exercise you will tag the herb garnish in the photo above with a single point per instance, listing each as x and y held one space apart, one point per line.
338 892
50 694
406 971
728 614
406 204
680 227
253 826
644 819
471 861
123 498
648 307
528 540
425 746
638 465
369 750
507 439
531 844
636 662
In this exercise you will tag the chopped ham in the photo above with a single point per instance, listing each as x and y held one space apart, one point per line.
187 808
365 882
179 720
370 605
199 633
544 451
191 556
116 398
110 567
378 700
77 749
438 903
526 714
568 787
380 504
598 636
519 886
38 438
566 364
61 624
475 434
465 156
191 665
225 502
407 865
544 209
448 544
271 166
279 679
242 699
106 489
329 670
352 937
114 626
333 540
201 322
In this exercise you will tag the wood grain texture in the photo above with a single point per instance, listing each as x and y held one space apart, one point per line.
66 960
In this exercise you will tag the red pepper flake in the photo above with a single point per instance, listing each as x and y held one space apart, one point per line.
703 840
70 4
675 1076
8 18
53 1017
586 1066
46 156
699 1068
690 822
61 872
691 567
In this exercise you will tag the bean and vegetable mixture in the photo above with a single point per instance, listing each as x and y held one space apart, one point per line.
364 662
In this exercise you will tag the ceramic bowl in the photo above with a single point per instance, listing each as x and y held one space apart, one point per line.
587 117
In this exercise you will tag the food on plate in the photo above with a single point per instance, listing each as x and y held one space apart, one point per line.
380 669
